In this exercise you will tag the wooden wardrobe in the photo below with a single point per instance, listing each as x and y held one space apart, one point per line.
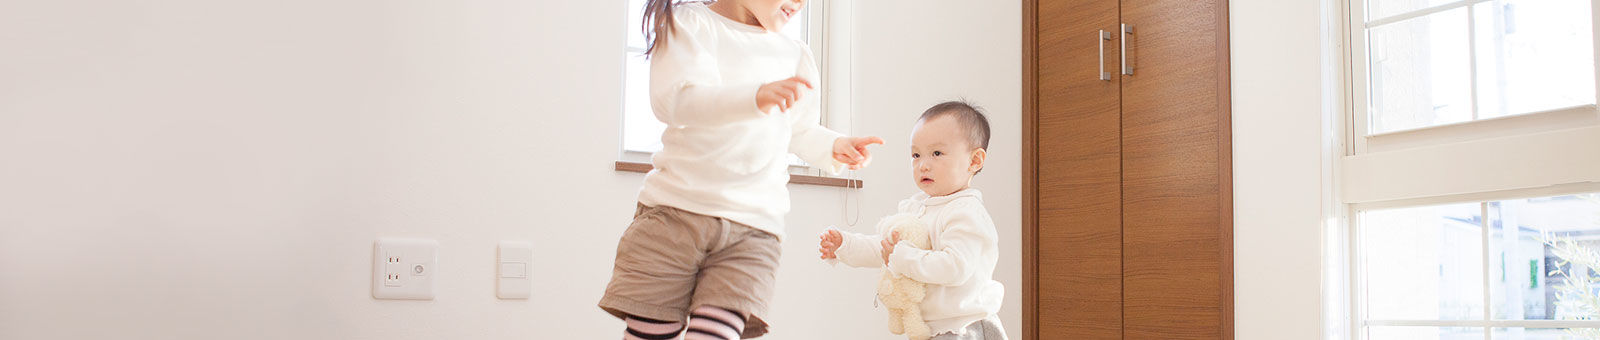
1127 177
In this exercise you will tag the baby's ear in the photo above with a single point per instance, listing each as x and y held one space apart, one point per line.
979 155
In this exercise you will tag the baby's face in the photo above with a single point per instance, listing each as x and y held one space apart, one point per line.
942 161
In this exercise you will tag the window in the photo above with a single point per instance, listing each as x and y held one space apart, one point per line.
1429 63
1519 268
1469 177
641 131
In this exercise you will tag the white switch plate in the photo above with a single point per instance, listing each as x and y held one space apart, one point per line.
403 268
514 270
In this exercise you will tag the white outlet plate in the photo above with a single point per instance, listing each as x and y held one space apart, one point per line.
404 268
514 270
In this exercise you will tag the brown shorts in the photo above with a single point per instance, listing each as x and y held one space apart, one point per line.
671 261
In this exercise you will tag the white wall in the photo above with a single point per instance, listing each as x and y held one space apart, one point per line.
913 54
204 169
1277 151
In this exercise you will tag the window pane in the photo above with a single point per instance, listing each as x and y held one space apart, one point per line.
1546 333
1380 9
1533 55
635 23
641 131
1423 263
1538 269
1420 72
1424 333
796 28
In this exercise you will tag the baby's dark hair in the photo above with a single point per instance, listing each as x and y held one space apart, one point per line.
970 118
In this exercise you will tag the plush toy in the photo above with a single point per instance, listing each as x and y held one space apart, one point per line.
902 295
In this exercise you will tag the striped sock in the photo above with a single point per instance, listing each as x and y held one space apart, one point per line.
713 323
647 329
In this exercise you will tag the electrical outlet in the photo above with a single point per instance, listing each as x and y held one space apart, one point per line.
403 268
391 279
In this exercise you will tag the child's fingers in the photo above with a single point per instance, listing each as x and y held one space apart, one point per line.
800 80
869 140
861 146
791 92
852 154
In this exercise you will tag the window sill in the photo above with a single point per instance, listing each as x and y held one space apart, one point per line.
639 167
1481 129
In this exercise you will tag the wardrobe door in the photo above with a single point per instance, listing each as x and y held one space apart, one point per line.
1079 217
1176 217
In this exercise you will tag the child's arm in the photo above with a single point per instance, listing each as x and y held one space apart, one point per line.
822 148
963 238
859 250
686 84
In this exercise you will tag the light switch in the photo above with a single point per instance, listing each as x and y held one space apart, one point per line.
515 262
513 270
403 268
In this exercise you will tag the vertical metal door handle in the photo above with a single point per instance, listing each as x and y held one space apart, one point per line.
1126 31
1102 42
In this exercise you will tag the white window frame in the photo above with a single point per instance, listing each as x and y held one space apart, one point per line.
1364 141
828 32
1434 165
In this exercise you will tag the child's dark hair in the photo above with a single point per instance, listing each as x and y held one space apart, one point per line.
971 119
657 24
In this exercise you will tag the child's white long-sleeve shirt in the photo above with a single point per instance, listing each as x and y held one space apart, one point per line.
959 270
721 155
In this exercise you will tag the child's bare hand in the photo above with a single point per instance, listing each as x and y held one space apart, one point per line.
888 245
852 151
782 94
831 239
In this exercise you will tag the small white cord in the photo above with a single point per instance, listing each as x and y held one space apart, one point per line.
852 179
850 184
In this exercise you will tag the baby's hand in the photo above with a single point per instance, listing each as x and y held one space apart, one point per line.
888 245
782 94
830 244
852 151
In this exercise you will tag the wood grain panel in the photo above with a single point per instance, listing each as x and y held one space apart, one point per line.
1030 169
1173 110
1127 183
1079 207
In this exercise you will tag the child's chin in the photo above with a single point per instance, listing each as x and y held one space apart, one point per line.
776 24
